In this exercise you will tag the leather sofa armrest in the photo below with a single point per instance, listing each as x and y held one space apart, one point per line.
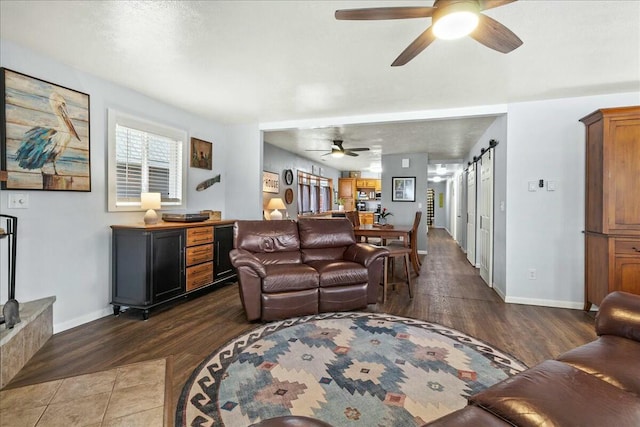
619 314
364 253
241 258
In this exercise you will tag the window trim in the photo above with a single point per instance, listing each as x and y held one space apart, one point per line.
115 117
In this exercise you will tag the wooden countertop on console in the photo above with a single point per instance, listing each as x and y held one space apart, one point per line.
162 225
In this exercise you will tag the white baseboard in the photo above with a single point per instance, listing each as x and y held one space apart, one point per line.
500 293
98 314
575 305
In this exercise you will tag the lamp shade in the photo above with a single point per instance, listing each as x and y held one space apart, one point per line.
150 201
276 203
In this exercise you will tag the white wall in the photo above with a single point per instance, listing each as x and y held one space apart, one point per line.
64 246
404 212
243 195
544 229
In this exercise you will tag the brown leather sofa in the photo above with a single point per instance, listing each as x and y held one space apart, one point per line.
597 384
288 268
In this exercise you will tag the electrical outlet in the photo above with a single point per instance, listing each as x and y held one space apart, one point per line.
532 274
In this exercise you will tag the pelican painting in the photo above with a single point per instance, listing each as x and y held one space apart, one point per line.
46 143
43 145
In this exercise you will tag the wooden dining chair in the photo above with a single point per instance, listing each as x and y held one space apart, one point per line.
353 217
413 239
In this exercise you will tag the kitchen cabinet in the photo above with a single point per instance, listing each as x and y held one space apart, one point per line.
347 192
368 184
365 218
154 264
612 208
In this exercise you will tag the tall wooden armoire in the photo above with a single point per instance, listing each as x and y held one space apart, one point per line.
612 211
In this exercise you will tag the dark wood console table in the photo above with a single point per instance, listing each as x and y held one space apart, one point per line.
154 264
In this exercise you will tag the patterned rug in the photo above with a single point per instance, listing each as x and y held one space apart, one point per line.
365 369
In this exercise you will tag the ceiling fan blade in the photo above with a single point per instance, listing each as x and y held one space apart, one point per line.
315 150
490 4
417 46
384 13
494 35
350 153
359 149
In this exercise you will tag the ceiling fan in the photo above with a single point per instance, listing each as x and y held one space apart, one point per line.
451 19
337 150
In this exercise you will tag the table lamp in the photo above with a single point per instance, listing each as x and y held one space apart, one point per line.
276 204
150 201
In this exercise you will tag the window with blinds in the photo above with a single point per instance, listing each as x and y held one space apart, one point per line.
144 157
314 193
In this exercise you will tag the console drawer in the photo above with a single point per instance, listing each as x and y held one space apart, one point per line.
199 254
199 235
199 275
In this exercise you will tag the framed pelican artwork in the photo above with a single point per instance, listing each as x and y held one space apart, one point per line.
45 135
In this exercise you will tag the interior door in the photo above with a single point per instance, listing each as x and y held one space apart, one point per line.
471 214
485 215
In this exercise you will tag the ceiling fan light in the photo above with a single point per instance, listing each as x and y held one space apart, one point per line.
455 21
337 154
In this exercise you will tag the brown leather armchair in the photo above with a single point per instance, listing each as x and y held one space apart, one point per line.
288 268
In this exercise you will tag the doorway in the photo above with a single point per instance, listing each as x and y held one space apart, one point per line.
471 214
485 218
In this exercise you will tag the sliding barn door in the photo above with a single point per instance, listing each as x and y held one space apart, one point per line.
485 216
471 214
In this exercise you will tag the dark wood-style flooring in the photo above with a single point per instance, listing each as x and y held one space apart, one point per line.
448 291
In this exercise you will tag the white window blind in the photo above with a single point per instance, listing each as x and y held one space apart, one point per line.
144 157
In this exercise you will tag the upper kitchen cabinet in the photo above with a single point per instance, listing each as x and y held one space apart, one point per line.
372 184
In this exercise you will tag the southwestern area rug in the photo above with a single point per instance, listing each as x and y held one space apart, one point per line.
366 369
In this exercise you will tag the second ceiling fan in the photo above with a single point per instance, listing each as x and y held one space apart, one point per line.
337 150
451 19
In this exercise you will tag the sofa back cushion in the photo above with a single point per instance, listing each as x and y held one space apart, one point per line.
324 239
272 242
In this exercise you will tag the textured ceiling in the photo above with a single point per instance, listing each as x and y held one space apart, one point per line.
270 61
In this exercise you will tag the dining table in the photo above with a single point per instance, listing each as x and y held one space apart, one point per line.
388 232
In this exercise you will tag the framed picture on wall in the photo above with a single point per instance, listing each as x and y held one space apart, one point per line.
201 154
403 189
270 182
45 135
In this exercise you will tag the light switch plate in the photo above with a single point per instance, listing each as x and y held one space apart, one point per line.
533 186
551 186
18 201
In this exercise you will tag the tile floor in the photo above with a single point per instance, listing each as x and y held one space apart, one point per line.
131 395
